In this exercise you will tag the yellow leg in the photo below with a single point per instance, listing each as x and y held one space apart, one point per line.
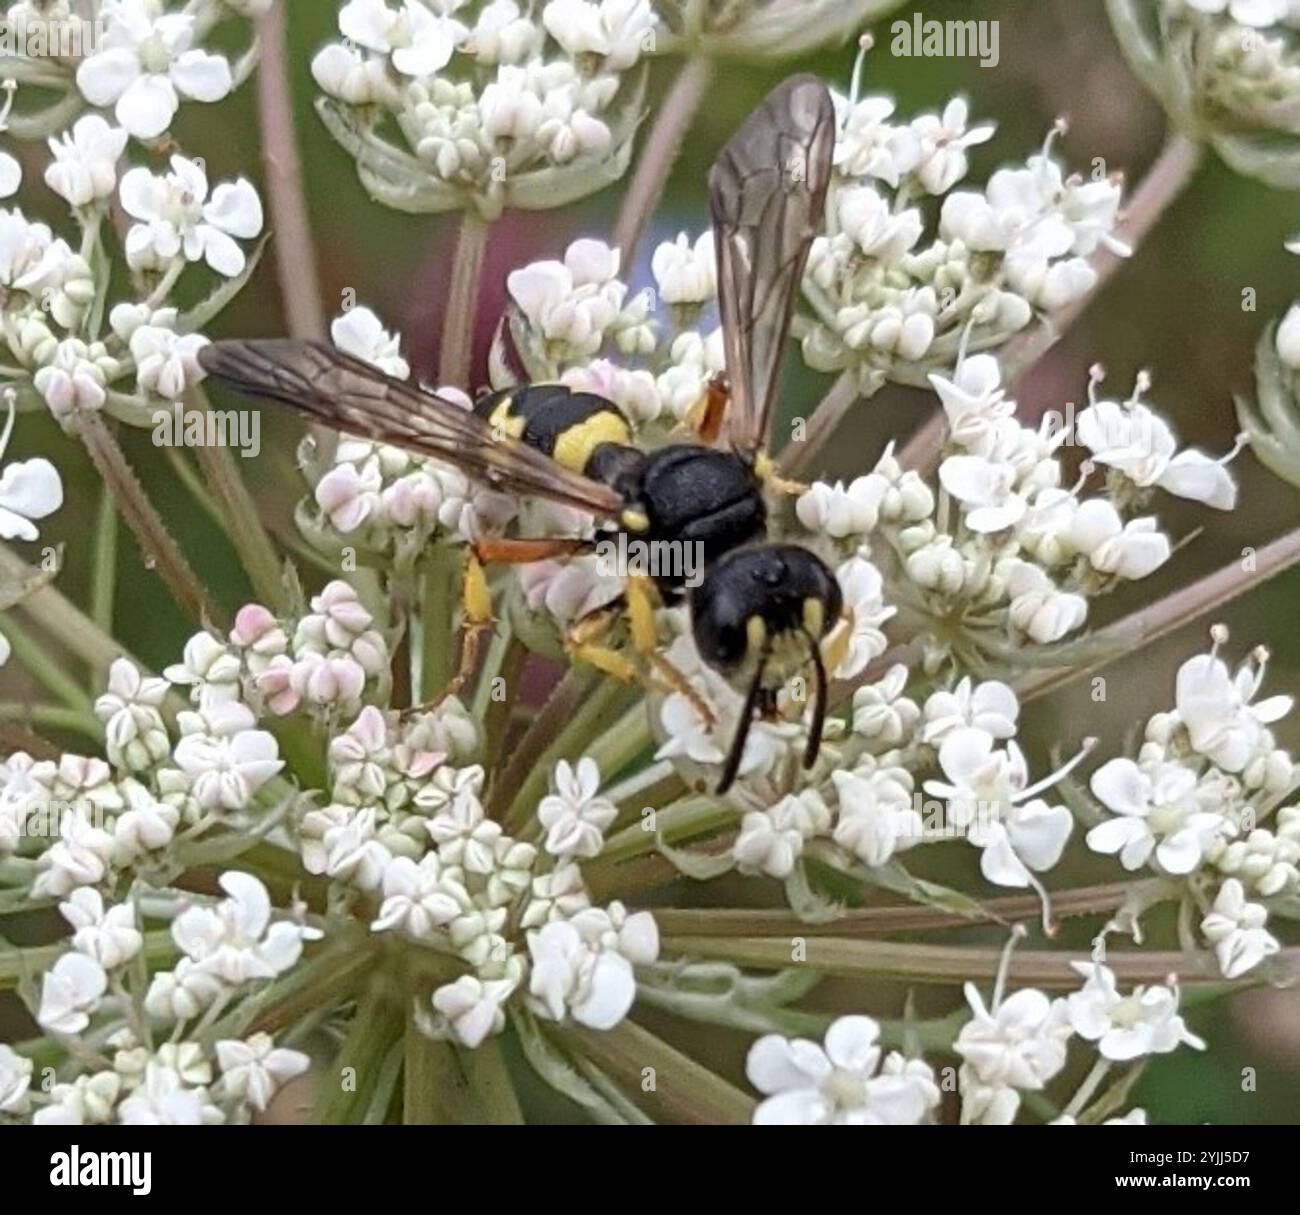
765 467
476 626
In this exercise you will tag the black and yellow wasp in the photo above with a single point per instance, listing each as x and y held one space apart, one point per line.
761 608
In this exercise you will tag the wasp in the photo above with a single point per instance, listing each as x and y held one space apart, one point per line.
762 610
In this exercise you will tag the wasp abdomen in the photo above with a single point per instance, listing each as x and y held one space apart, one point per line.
568 426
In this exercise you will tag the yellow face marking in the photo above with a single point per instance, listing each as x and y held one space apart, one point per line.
814 617
634 521
574 447
756 632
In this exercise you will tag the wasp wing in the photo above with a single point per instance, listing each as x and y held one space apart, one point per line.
347 394
768 197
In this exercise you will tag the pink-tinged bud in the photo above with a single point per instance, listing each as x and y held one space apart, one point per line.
251 624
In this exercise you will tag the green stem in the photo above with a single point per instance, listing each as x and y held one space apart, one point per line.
50 673
256 550
54 718
456 359
103 582
18 964
158 548
942 964
672 1083
439 595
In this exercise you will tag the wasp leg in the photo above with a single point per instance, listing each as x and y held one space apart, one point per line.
476 626
707 415
497 551
586 642
765 468
641 612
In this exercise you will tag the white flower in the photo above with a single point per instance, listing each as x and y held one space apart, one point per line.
990 706
1287 339
15 1080
360 333
208 669
146 62
686 273
81 857
987 793
1146 1022
1138 442
74 379
1217 710
164 1100
575 301
877 816
473 1007
166 362
1132 549
1038 608
109 937
29 489
1019 1044
987 491
228 769
503 35
177 219
1161 810
1256 13
839 1083
70 993
877 230
575 816
863 589
975 403
418 42
618 30
583 966
235 941
416 898
772 840
87 1100
943 142
136 733
11 175
84 168
255 1069
1236 930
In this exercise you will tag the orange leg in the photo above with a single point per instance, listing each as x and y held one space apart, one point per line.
522 552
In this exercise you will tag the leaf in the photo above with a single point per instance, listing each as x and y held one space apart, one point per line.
205 310
554 1067
894 877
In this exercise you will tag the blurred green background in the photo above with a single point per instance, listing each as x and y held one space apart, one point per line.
1175 309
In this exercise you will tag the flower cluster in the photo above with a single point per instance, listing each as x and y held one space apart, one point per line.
1226 69
911 268
492 102
217 1072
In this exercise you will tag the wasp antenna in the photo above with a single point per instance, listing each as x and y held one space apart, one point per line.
819 706
737 751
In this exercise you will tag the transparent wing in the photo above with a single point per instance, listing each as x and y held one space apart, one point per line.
768 196
347 394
